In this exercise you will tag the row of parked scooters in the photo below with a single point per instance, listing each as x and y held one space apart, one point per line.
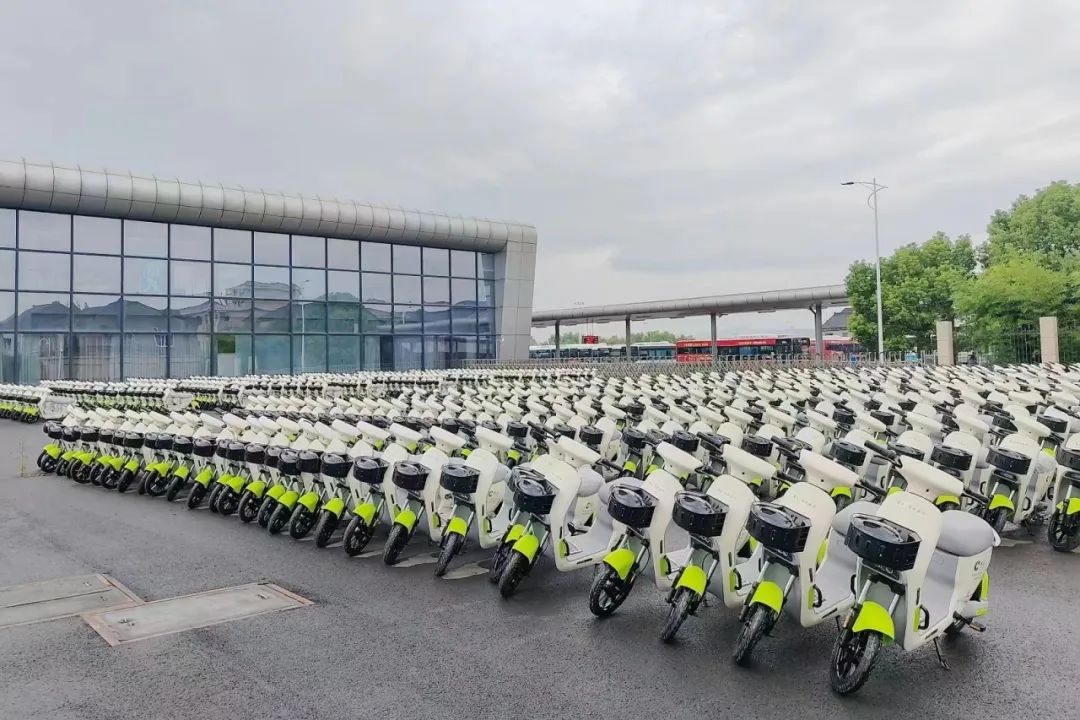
872 496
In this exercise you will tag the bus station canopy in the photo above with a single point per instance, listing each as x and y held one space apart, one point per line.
768 301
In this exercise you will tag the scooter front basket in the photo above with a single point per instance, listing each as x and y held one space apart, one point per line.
631 505
309 462
289 463
699 514
885 418
634 439
684 441
255 454
757 446
1008 460
204 448
164 442
369 470
848 453
532 492
951 458
54 430
183 445
460 479
133 441
1065 457
273 455
778 528
906 451
89 435
335 466
882 542
410 476
234 451
591 436
517 430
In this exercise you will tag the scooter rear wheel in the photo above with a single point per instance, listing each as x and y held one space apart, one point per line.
395 543
517 567
681 607
759 622
249 507
451 547
608 591
357 536
1062 532
853 658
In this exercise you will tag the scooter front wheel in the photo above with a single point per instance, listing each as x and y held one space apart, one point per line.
681 607
517 567
126 478
143 479
227 502
110 479
266 509
215 493
395 543
324 529
157 484
853 658
175 486
81 473
300 522
1062 532
997 518
450 548
41 460
278 519
498 561
195 497
249 507
357 536
758 622
48 465
608 591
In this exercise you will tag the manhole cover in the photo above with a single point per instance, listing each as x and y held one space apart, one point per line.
61 598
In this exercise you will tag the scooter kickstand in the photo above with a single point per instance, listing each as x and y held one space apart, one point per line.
940 657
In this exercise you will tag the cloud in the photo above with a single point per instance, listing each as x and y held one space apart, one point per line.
661 149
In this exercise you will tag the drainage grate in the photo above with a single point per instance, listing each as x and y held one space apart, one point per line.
166 617
60 598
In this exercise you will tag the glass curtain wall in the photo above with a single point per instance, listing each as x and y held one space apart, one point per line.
103 299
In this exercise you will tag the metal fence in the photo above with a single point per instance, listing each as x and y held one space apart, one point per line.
989 347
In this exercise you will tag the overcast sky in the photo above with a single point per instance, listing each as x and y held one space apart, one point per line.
662 149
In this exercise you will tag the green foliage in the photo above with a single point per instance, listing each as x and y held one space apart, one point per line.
1047 225
918 282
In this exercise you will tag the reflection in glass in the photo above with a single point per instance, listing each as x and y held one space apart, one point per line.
376 288
146 314
97 273
7 269
343 254
486 349
464 319
145 238
462 291
271 248
190 278
376 318
232 245
436 261
408 353
95 356
273 354
308 251
233 355
406 259
308 317
189 355
97 235
375 256
7 230
406 289
487 265
437 352
145 356
96 312
7 311
308 284
377 352
343 353
271 316
343 317
7 358
343 286
485 321
189 315
436 320
232 280
309 353
43 311
463 263
189 242
436 290
408 320
232 315
271 282
44 231
42 357
486 292
146 277
44 271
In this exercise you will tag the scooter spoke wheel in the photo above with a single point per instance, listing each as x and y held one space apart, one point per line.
70 469
324 529
110 479
399 537
853 658
278 519
157 484
195 497
759 622
96 473
249 507
126 478
266 509
608 591
1062 532
228 501
357 536
300 522
997 518
498 561
215 493
48 464
450 548
41 460
61 467
681 607
517 567
81 474
175 486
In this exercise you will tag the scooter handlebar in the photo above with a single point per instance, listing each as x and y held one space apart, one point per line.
976 496
883 451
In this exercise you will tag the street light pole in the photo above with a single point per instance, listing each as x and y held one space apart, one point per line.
875 188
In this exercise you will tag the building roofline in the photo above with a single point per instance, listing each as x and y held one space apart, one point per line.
49 187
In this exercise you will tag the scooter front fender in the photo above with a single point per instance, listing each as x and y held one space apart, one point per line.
621 560
406 518
309 500
204 477
1071 507
458 526
276 492
694 578
289 498
527 545
873 616
256 488
366 512
235 483
335 506
1001 501
769 594
52 450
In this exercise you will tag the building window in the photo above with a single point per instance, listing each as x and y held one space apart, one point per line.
146 239
97 235
44 231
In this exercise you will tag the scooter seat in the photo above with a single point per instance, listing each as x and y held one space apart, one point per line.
842 520
965 535
591 482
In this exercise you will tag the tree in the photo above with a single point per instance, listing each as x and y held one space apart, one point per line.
918 282
1047 225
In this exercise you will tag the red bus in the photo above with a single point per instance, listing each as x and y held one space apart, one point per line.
746 348
839 348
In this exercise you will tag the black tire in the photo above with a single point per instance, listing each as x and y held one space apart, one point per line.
451 547
325 527
266 509
157 484
841 501
517 567
69 471
61 467
175 486
278 519
608 591
195 497
215 493
41 460
853 658
757 623
96 473
141 479
81 473
110 479
249 507
498 561
126 478
300 522
681 606
997 518
49 464
395 543
227 502
1063 534
357 536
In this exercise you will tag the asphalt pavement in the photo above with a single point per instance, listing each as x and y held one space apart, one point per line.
383 642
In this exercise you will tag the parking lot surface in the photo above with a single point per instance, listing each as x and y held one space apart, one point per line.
381 642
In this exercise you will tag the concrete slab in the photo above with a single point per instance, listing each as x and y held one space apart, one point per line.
61 597
174 615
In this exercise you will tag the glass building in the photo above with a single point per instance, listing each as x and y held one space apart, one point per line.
96 288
